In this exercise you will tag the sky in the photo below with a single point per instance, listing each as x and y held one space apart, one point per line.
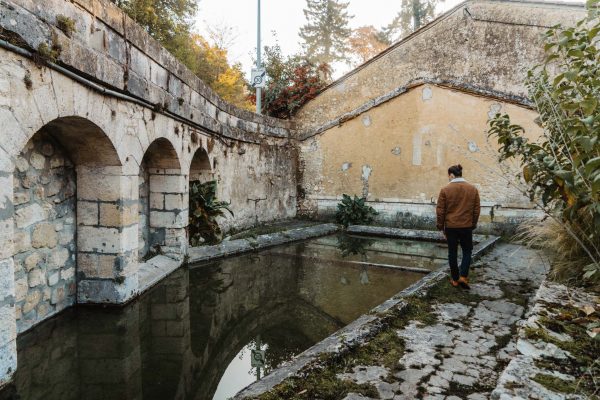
281 22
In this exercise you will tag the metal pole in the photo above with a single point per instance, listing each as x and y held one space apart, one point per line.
258 63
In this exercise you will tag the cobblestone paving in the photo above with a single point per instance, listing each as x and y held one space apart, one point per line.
461 355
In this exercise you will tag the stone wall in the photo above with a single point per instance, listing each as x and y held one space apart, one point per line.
389 130
44 228
397 155
110 140
480 45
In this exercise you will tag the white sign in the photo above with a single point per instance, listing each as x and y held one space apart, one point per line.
258 77
258 358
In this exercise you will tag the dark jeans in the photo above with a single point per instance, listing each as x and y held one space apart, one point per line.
464 237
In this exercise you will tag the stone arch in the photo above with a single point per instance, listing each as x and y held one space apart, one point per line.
71 224
200 168
162 202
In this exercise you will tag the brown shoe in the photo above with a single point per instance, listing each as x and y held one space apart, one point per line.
453 282
463 281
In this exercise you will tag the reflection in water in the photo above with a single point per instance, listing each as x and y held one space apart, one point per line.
192 336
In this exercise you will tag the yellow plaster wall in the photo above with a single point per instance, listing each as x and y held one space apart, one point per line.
433 127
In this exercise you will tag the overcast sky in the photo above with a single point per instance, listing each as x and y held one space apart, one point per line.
284 18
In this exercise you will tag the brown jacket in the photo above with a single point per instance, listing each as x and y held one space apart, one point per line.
458 206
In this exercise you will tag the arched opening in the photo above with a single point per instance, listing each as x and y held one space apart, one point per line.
162 202
200 169
64 198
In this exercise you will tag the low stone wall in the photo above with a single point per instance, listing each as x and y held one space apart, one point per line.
411 215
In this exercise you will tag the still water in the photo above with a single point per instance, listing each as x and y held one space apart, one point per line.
194 334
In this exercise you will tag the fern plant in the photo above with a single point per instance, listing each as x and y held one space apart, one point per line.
205 208
354 211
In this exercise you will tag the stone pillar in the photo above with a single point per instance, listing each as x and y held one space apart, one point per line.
169 211
8 325
107 235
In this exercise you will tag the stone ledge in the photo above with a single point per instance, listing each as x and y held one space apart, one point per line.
358 331
155 270
234 247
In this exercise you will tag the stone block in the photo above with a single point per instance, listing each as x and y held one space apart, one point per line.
36 277
67 274
129 238
167 183
93 185
157 201
99 239
22 241
53 278
174 202
29 215
7 278
21 197
31 300
113 215
44 235
87 213
58 258
33 261
21 288
168 219
58 295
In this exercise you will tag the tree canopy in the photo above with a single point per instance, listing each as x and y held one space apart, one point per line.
170 23
412 15
326 32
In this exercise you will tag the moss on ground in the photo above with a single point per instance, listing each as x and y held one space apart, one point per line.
385 348
585 363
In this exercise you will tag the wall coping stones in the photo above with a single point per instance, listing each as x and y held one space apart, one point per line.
116 52
360 330
239 246
154 270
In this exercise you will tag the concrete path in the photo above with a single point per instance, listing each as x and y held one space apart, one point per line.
462 353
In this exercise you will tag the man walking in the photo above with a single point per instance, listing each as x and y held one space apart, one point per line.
457 212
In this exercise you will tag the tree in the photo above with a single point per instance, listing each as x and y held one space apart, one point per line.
326 32
413 14
365 43
209 63
291 82
562 168
169 22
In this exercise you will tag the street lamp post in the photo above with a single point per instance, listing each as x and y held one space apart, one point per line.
258 63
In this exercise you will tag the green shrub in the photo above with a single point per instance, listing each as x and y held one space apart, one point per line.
204 210
354 211
562 168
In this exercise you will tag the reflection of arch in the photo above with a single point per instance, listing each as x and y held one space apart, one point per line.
200 169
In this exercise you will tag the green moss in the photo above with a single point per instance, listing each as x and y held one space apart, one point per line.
555 384
584 350
65 24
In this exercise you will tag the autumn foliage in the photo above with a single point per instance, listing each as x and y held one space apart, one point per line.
292 82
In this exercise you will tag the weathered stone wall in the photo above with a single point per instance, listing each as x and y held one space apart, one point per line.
166 117
45 248
397 155
390 129
483 46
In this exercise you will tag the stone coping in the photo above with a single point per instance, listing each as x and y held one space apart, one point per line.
154 270
114 51
361 329
412 234
239 246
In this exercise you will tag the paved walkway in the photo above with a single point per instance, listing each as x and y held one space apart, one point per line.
461 354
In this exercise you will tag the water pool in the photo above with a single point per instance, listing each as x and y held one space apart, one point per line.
193 336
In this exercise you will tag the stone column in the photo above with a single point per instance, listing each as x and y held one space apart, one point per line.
107 235
8 325
169 211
